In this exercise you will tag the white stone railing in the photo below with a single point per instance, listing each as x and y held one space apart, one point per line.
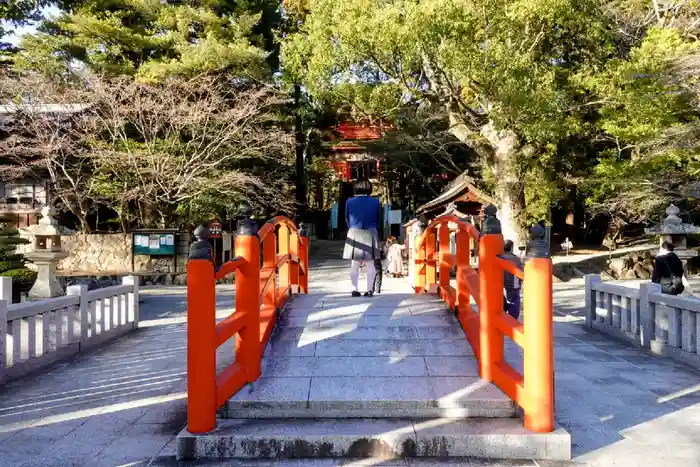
37 333
665 324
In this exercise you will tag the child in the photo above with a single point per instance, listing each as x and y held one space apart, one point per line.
395 257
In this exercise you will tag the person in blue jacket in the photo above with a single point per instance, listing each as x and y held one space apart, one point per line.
362 215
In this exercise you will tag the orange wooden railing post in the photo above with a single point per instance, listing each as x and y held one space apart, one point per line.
431 259
248 348
294 249
463 264
539 338
445 266
201 336
304 258
285 271
490 294
269 247
420 260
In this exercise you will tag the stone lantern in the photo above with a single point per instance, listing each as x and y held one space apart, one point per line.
673 230
45 252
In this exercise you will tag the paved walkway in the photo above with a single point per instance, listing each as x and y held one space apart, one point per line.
124 404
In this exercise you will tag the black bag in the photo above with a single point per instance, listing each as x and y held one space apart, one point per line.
676 286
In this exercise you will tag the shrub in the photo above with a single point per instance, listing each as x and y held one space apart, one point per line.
22 282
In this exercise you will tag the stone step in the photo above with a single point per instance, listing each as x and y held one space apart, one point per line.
378 397
436 438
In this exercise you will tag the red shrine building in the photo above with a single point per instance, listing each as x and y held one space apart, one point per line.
352 160
349 155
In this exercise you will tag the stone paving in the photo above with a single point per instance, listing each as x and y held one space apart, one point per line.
124 404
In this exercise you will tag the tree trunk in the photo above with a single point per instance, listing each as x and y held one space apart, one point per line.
500 155
501 159
300 137
509 187
84 225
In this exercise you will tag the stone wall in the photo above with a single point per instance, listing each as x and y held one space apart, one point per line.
99 253
110 254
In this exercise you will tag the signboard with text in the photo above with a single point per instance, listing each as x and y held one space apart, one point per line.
146 243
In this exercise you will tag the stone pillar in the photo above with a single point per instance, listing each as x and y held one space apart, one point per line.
647 313
6 289
591 298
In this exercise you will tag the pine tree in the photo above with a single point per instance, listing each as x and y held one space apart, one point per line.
154 39
9 241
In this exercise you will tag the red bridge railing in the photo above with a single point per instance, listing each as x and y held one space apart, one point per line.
270 265
486 327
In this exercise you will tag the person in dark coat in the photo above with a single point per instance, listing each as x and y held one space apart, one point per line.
511 284
668 271
362 215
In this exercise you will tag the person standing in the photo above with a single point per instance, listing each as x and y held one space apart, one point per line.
395 256
362 215
511 284
668 271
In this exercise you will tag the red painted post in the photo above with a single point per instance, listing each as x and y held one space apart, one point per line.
420 264
538 359
490 294
269 247
463 295
294 249
431 258
248 348
304 258
285 271
445 267
201 336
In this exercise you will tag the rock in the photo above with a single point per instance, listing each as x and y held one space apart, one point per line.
630 274
632 266
617 266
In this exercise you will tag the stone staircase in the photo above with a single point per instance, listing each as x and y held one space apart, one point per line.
387 376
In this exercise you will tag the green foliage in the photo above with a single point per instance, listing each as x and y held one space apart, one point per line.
652 128
151 39
572 81
21 277
511 71
9 241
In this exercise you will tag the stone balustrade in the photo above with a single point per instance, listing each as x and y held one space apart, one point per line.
665 324
37 333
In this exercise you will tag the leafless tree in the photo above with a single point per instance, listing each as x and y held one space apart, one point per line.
155 153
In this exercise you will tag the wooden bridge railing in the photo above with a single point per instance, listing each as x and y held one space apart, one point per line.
486 326
271 264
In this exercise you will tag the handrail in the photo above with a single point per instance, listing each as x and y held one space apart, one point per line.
270 225
486 328
472 231
285 255
511 268
228 267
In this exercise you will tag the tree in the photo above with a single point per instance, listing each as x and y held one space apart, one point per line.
648 117
157 154
500 71
153 39
9 241
15 13
11 263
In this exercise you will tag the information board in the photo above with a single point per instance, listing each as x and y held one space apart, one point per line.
154 244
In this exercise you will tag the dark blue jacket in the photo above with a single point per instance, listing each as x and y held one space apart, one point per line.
362 212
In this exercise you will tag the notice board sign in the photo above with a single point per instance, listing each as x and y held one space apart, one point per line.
154 243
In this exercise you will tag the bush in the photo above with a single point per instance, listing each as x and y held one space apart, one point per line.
22 282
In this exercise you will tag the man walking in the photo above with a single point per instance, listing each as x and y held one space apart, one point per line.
511 284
